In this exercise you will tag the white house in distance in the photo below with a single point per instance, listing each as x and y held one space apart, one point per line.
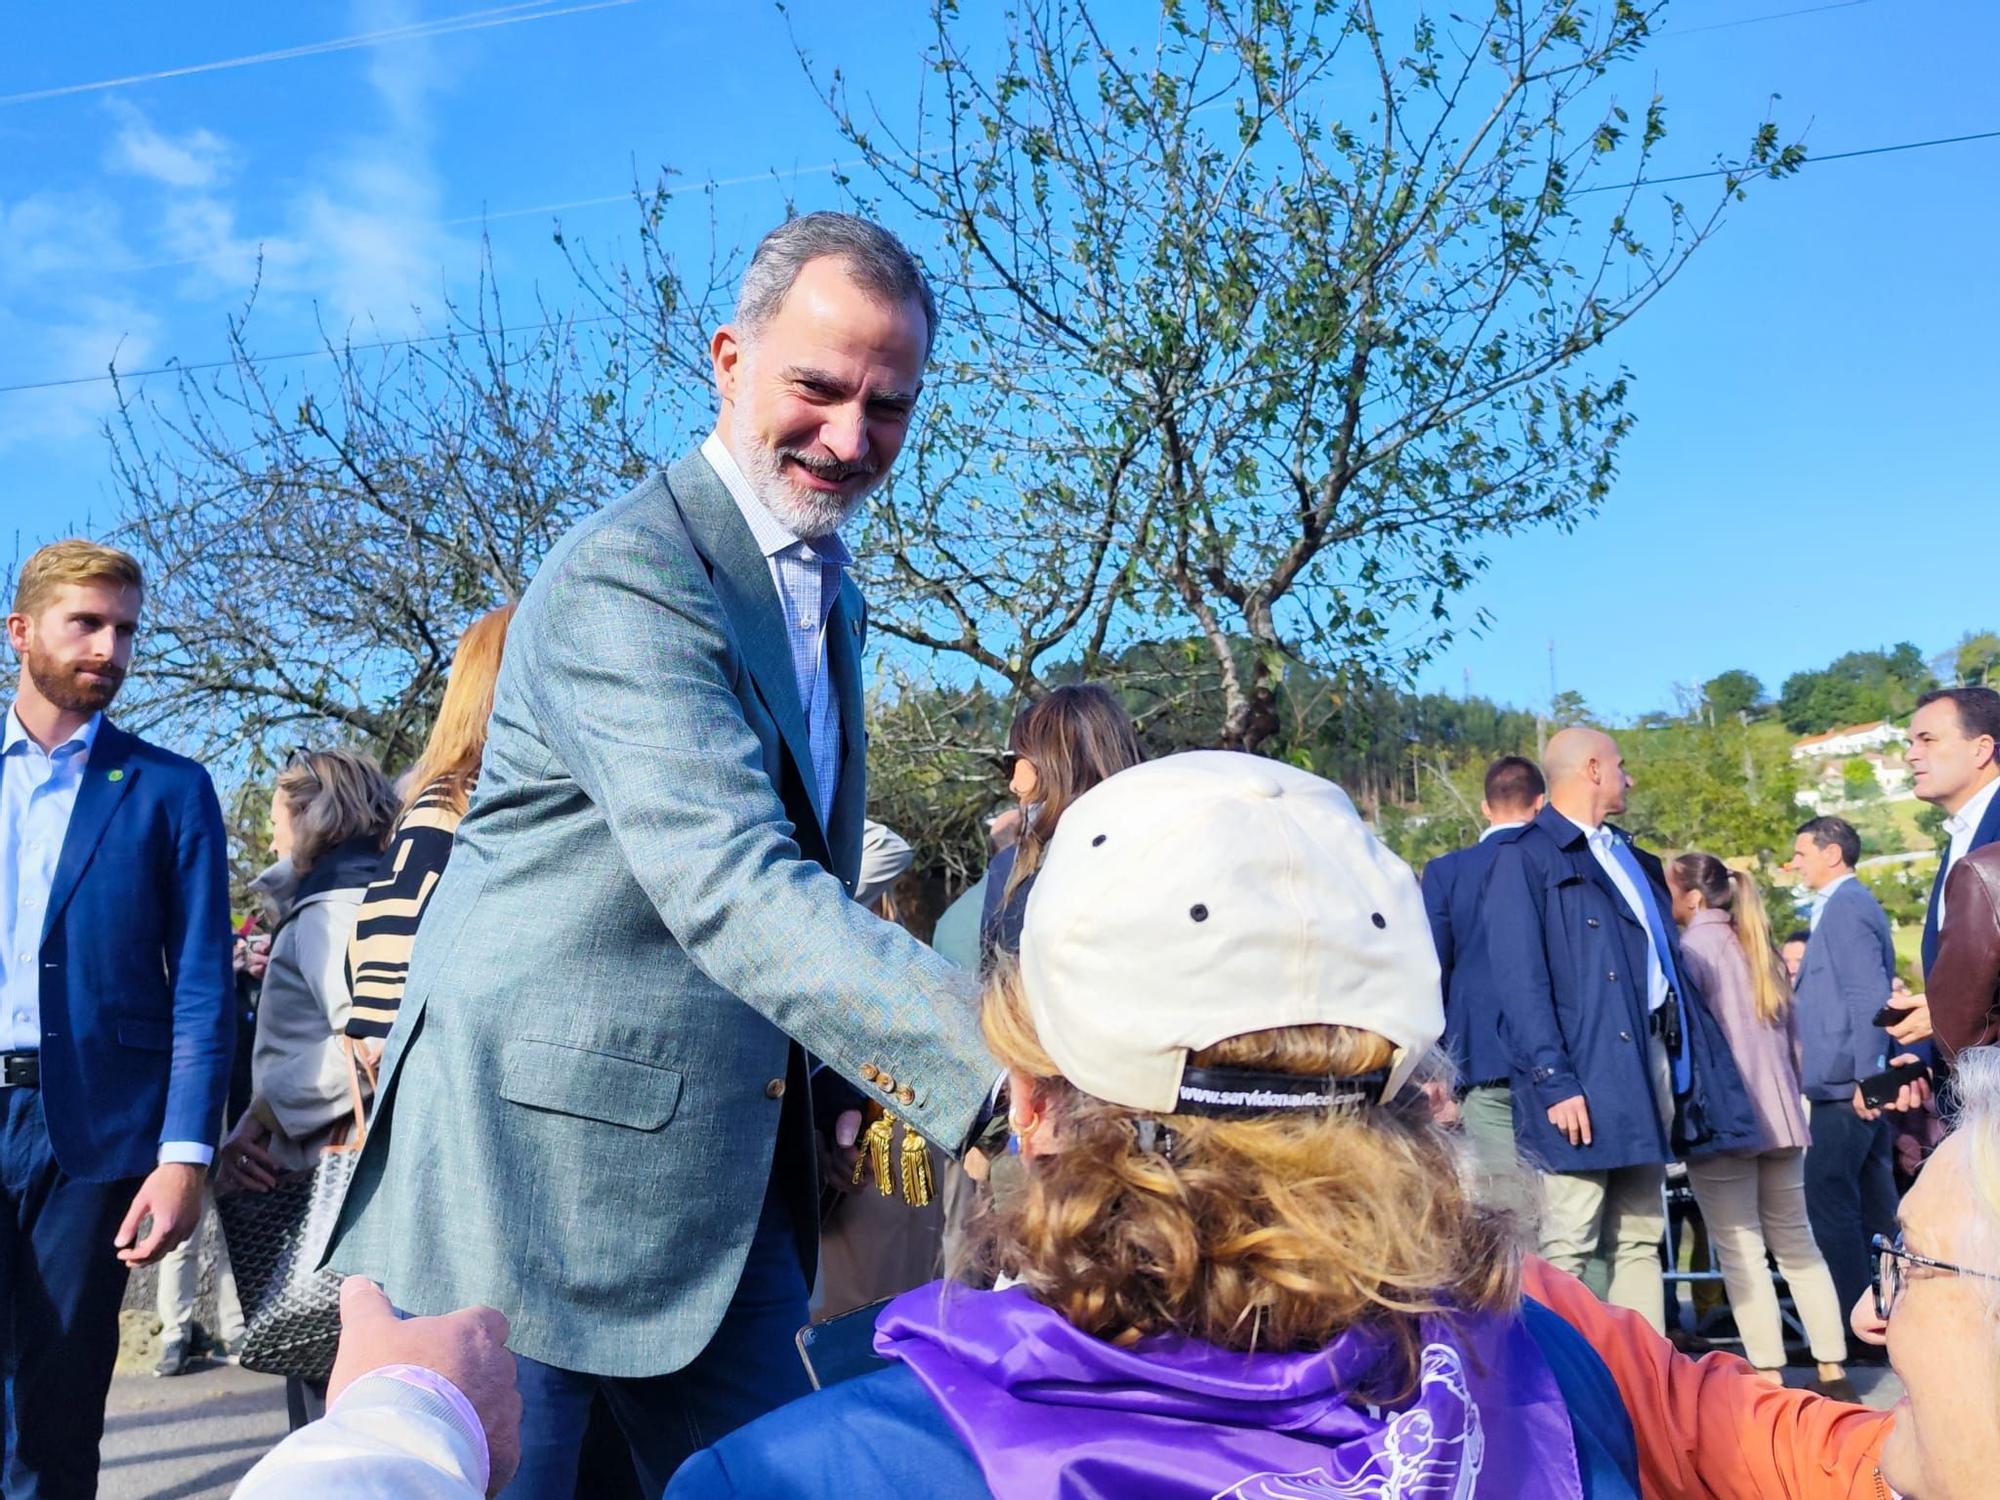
1855 739
1821 758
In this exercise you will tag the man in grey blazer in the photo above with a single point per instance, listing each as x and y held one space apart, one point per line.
1844 981
594 1110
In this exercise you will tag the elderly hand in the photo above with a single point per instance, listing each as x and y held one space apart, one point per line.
242 1165
468 1348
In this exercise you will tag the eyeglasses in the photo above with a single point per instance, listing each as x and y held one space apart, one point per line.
1892 1263
1009 760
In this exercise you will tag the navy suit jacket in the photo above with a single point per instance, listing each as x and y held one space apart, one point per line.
1454 887
1843 981
137 1029
1987 832
1569 960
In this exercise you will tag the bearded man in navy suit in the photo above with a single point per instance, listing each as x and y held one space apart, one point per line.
115 1023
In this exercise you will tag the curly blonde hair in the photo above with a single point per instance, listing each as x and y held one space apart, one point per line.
1276 1233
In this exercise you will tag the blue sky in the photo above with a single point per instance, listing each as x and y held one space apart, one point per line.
1815 394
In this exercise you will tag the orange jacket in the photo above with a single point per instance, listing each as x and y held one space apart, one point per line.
1710 1429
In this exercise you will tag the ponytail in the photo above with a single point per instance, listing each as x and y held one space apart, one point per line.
1771 990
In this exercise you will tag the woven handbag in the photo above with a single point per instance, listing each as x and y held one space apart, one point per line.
291 1307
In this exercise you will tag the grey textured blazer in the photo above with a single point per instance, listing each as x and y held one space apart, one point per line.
591 1071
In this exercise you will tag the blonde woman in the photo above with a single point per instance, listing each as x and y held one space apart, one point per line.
1754 1202
330 815
441 783
1243 1263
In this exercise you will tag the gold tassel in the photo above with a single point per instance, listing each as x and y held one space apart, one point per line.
917 1185
875 1150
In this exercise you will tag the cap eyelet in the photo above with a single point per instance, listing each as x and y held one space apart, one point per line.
1198 912
1098 840
1378 919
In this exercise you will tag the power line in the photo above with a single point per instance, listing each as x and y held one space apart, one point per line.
262 359
175 368
479 20
1746 173
1776 15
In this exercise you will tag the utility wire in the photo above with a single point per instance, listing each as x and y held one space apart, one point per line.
262 359
479 20
1776 15
1747 173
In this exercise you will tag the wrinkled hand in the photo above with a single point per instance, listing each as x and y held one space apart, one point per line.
171 1198
242 1165
468 1348
1916 1023
1914 1094
1572 1118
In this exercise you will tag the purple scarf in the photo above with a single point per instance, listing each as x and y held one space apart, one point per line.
1054 1414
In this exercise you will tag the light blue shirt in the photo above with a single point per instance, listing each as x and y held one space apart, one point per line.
1819 899
1602 842
807 578
37 795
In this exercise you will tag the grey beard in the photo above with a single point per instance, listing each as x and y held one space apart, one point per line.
806 514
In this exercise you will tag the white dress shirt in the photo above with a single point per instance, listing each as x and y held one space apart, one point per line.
1961 826
1599 839
1493 828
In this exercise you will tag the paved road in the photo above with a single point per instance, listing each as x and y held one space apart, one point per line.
193 1436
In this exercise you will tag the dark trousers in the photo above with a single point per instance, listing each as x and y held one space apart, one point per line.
62 1283
1850 1193
750 1367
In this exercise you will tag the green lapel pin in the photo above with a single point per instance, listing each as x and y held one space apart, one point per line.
117 775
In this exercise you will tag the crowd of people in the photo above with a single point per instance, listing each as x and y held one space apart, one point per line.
1199 1149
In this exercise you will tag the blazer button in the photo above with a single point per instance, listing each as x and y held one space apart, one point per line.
775 1089
1591 922
907 1094
885 1083
1624 1036
1612 975
870 1072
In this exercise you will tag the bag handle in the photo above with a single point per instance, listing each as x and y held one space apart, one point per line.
358 1066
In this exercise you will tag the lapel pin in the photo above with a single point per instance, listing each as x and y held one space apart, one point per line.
117 775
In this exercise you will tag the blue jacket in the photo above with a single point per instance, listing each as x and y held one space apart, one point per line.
1987 832
882 1434
1454 891
1843 981
137 1025
1569 960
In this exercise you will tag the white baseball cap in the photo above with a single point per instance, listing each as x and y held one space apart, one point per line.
1208 895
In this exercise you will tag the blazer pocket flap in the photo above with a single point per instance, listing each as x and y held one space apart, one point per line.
151 1036
590 1085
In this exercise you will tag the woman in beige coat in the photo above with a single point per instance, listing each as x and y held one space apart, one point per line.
330 816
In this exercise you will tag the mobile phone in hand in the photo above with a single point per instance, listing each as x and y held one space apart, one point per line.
1889 1015
1880 1091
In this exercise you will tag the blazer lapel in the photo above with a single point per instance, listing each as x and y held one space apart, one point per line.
1631 931
742 578
105 780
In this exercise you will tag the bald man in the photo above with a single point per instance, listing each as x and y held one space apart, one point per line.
1617 1064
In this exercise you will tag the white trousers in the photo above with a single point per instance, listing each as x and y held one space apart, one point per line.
1757 1203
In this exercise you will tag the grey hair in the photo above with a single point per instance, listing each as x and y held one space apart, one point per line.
875 258
1973 1107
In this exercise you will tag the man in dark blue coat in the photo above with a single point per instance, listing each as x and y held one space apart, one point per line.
1454 891
1844 981
1616 1061
115 1022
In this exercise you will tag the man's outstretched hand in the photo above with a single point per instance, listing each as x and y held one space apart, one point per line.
468 1348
